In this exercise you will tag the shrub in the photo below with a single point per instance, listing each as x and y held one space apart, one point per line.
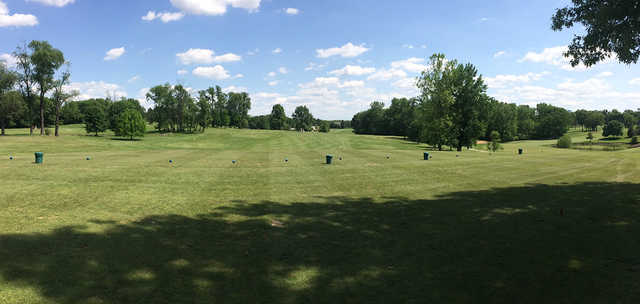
494 145
47 131
634 140
564 142
632 131
612 128
325 127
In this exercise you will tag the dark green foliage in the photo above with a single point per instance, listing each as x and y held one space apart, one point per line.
262 122
130 124
634 140
593 120
632 131
564 142
11 108
278 118
613 128
325 127
46 60
95 119
612 28
302 118
551 122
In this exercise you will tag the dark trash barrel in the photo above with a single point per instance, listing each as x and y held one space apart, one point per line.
426 155
39 157
520 151
329 159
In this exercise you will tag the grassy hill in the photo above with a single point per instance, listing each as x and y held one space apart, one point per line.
379 226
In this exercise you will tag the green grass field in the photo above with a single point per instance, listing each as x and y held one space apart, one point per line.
549 226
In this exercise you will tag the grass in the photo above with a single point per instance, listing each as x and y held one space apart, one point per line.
549 226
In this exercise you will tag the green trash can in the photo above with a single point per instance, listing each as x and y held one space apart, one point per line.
39 157
426 155
329 159
520 151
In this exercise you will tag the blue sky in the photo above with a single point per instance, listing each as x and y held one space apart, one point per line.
334 56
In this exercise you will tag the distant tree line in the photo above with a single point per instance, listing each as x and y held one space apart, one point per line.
454 110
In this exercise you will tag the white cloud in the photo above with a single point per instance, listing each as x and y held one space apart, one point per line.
273 83
502 81
635 81
277 51
283 70
142 98
292 11
238 76
95 89
182 72
134 79
234 89
272 74
114 54
347 51
484 19
16 20
58 3
313 66
251 53
9 60
353 70
205 56
388 74
605 74
165 17
216 72
352 84
408 46
555 56
412 65
588 94
498 54
214 7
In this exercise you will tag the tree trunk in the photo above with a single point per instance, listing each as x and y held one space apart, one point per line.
41 112
57 119
2 127
31 130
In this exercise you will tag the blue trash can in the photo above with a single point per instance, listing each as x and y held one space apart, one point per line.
426 155
329 159
520 151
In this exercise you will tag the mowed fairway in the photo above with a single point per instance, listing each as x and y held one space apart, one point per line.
127 226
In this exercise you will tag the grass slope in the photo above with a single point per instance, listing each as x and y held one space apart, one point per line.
127 226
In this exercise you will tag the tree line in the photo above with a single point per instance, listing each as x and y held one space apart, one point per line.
454 110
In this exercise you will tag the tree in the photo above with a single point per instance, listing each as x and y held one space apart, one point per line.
130 124
494 145
435 122
11 108
302 118
203 116
632 131
593 120
60 97
551 122
26 83
119 106
468 90
95 119
581 117
278 118
611 27
46 60
325 127
238 106
612 128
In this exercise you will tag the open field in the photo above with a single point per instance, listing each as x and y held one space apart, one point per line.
549 226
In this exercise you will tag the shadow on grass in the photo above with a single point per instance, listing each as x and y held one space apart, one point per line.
535 244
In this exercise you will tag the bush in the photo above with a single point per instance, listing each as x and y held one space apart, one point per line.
564 142
634 140
47 131
633 131
612 128
325 127
494 145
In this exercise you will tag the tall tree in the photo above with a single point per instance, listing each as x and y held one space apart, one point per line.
60 97
468 90
95 119
46 60
278 118
27 84
611 27
302 118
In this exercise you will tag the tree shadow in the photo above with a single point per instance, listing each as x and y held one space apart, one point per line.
532 244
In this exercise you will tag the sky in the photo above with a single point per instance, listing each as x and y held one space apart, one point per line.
335 56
